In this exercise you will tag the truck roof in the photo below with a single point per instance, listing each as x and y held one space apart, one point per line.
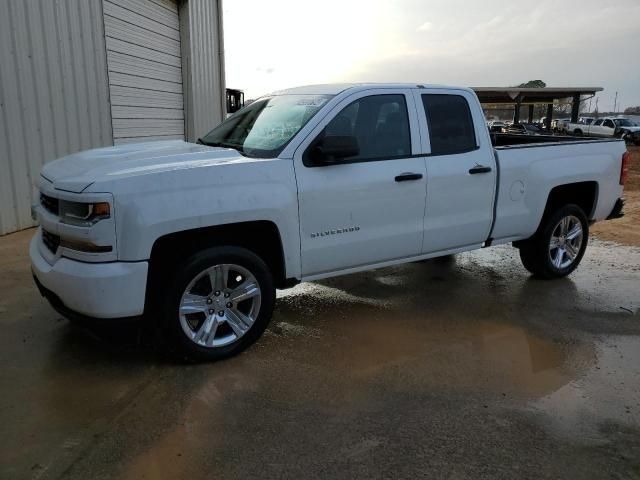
336 88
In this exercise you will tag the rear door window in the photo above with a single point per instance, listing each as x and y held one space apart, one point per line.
450 124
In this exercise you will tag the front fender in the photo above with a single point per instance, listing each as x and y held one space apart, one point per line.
169 202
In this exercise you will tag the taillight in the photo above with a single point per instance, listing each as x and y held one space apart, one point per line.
624 169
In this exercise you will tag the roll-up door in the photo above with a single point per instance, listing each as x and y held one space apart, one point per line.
144 64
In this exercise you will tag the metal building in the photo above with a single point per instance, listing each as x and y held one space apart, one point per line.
80 74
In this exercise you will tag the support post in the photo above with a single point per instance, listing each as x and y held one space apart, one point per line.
203 79
516 112
575 107
547 122
530 113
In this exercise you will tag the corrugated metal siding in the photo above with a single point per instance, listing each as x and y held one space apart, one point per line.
145 74
54 97
203 65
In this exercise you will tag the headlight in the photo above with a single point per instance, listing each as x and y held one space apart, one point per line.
83 214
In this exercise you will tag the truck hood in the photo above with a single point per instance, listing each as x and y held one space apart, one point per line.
74 173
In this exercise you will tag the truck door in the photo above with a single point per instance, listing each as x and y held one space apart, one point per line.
461 170
608 128
596 129
368 207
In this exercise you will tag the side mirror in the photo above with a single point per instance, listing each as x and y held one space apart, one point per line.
333 148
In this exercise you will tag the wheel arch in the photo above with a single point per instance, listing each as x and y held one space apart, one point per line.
261 237
583 194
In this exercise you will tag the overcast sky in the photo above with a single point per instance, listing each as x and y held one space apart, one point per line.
275 44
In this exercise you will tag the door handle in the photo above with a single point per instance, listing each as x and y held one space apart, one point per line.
479 169
404 177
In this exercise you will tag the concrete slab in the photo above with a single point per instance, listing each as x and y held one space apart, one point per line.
459 368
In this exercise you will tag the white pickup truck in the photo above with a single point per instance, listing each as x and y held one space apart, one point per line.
301 185
607 127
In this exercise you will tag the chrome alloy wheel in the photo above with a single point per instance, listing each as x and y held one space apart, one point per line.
565 243
219 305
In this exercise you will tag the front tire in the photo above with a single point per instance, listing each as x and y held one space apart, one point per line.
219 303
559 244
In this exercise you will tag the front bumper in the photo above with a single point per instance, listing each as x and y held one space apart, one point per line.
98 290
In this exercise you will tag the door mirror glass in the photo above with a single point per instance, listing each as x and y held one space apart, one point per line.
333 148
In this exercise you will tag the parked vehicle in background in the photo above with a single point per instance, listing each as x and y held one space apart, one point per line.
497 127
610 127
305 184
628 130
524 128
601 127
558 125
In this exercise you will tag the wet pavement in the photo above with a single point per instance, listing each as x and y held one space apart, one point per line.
456 368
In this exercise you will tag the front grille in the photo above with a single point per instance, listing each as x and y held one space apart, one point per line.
51 241
49 203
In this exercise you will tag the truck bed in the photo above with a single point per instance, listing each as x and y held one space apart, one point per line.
527 175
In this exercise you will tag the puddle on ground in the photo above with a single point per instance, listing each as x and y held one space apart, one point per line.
335 354
363 367
608 393
398 325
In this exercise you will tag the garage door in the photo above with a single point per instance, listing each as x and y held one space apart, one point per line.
144 64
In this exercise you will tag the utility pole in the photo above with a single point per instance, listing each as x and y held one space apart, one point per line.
615 104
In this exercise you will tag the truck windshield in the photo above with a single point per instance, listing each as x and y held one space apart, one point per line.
264 128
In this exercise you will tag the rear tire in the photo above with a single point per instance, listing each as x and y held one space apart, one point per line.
220 301
559 244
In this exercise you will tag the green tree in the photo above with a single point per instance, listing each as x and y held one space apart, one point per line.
632 110
533 84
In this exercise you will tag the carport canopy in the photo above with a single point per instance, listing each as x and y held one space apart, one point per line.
518 96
